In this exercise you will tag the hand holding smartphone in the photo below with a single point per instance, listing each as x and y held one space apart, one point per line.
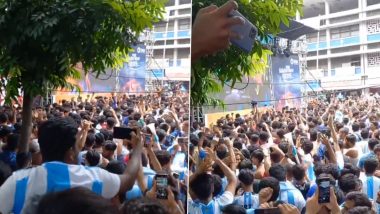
324 190
162 185
247 33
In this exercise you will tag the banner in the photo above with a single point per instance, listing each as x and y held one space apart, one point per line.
286 75
132 75
240 96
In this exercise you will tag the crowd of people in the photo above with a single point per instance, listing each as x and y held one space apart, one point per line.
321 158
106 154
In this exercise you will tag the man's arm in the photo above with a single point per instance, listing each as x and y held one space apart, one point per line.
231 178
127 180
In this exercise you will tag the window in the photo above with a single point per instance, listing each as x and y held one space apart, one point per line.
344 19
158 53
159 43
312 38
184 1
344 32
183 41
325 73
183 53
184 24
372 2
163 26
170 3
333 72
172 13
184 11
170 42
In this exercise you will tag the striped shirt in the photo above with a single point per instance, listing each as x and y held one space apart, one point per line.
248 200
213 207
371 186
19 189
291 195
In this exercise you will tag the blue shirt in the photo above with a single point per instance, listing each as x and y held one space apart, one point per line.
9 158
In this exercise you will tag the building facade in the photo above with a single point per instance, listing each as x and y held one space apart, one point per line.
169 58
345 53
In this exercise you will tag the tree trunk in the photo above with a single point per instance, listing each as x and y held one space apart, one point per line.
26 128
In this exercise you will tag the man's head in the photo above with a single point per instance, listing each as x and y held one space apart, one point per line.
246 177
57 139
257 157
350 141
343 132
203 186
263 138
163 157
356 199
109 149
278 171
272 183
79 199
349 183
372 143
143 205
233 209
370 165
298 172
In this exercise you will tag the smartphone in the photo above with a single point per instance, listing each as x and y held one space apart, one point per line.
162 184
324 190
274 210
147 140
248 33
122 133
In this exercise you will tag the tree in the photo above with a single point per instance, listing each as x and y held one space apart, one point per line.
210 74
41 42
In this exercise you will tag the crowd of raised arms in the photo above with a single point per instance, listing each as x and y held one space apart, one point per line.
323 158
78 163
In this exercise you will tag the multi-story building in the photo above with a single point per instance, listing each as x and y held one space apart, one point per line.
345 53
170 45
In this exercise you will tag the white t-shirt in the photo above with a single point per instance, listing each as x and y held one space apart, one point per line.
19 189
213 207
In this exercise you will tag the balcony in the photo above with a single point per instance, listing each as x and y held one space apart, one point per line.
373 37
345 42
315 46
172 35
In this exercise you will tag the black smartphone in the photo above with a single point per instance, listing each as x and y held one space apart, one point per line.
324 190
274 210
162 184
122 133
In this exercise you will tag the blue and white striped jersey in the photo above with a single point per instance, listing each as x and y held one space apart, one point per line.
23 185
213 207
291 195
248 200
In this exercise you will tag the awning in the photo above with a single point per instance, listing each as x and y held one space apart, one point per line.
295 30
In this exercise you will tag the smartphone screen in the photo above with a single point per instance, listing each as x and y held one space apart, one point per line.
147 140
324 190
162 184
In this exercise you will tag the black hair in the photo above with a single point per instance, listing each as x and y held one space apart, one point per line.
264 136
111 122
348 183
90 140
202 186
307 146
360 210
284 146
372 143
298 172
163 157
99 140
258 154
246 177
92 158
3 117
370 165
272 183
116 167
233 209
23 159
364 133
277 171
331 169
143 206
245 153
81 200
56 136
355 127
245 164
349 168
12 142
254 138
313 135
109 145
359 199
351 138
218 185
161 134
